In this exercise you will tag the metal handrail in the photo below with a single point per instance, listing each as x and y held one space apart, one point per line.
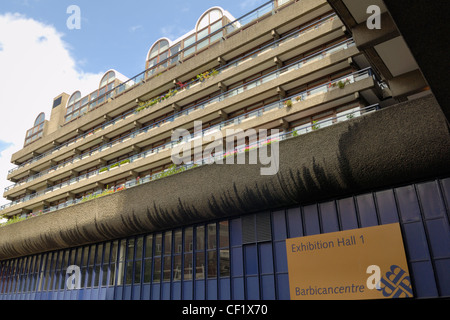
280 104
204 161
137 80
348 42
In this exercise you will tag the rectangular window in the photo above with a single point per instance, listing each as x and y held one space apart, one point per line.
105 265
157 258
177 268
216 26
188 247
189 41
224 252
200 253
129 263
121 262
202 34
163 56
200 238
177 250
212 250
212 241
212 264
189 51
202 44
167 256
148 259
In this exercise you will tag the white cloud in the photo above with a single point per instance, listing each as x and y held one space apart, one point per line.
135 28
36 66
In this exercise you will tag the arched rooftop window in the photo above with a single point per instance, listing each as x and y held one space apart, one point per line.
78 106
40 119
108 78
207 31
209 18
74 105
74 98
159 55
164 53
37 131
158 48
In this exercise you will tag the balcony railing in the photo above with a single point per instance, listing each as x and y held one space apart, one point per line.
140 78
253 84
324 88
205 161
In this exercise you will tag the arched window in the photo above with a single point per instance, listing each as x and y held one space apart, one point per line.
209 18
40 119
159 56
159 48
207 31
108 78
73 106
37 131
106 86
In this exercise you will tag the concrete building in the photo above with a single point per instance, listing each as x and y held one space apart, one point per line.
95 185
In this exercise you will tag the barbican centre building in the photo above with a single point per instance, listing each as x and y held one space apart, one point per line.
355 122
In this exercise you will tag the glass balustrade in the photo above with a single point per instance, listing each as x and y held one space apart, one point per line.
327 87
139 80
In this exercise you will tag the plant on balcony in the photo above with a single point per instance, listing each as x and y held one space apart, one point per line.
214 72
205 75
299 98
341 84
124 161
115 165
288 103
181 85
202 76
294 133
103 170
315 126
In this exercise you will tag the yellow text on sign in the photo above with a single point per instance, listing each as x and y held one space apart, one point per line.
368 263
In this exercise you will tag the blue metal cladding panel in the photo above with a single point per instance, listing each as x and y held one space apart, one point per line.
387 208
295 224
347 213
329 217
242 265
367 210
311 220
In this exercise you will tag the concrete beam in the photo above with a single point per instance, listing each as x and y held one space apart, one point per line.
223 115
367 38
223 88
176 107
407 84
278 62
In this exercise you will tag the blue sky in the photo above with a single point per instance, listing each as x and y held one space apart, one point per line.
118 34
40 57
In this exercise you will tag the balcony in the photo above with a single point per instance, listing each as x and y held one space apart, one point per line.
40 162
322 94
52 172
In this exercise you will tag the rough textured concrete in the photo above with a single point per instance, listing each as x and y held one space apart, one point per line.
401 144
